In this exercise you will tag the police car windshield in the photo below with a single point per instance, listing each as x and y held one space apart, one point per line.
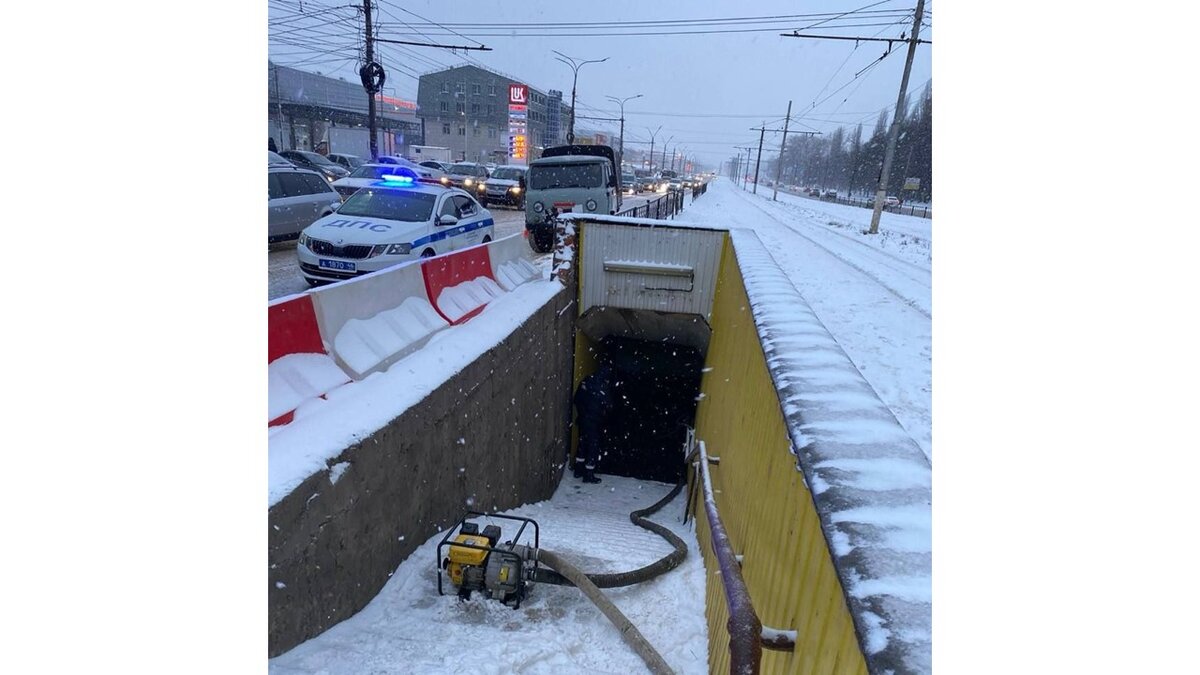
407 206
553 176
507 174
375 172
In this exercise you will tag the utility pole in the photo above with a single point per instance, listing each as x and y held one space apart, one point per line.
663 164
279 105
370 94
745 178
762 131
782 147
897 114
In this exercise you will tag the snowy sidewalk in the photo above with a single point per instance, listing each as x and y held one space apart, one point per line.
408 628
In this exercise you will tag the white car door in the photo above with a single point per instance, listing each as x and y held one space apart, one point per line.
443 235
470 216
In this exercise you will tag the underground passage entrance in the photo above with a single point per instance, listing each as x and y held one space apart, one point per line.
655 385
652 390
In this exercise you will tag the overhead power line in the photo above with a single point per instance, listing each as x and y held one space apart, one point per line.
667 22
514 34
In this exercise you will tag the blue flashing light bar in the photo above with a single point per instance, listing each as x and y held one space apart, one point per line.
394 179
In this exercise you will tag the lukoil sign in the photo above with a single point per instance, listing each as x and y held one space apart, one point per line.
518 94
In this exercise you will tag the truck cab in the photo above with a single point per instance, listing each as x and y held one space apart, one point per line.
580 178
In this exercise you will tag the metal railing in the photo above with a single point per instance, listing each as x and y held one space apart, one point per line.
924 211
665 206
747 635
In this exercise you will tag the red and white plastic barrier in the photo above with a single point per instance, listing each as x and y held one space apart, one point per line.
512 262
331 336
298 367
371 322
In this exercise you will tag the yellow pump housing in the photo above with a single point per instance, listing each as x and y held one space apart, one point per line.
461 556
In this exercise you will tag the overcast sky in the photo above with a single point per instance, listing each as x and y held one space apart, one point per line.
692 85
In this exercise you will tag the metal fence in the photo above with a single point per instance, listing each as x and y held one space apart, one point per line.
925 211
666 206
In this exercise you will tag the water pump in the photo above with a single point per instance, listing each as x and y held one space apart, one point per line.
477 560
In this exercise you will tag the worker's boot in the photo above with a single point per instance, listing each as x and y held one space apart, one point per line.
589 475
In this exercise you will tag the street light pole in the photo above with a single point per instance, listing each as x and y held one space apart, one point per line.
621 102
663 164
575 68
652 135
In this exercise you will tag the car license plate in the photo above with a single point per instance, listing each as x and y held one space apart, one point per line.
335 265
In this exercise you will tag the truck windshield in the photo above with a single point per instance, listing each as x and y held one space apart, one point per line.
398 204
553 176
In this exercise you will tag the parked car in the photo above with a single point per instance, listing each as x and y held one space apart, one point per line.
367 175
420 169
395 220
276 159
349 162
891 202
316 162
295 198
506 185
829 194
434 164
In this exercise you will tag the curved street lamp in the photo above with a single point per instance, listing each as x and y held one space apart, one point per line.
652 135
621 102
575 66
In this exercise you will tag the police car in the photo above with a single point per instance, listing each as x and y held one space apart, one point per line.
397 219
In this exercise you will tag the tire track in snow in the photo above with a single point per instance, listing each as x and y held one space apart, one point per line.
910 302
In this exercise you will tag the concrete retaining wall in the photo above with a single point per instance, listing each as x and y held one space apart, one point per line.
332 545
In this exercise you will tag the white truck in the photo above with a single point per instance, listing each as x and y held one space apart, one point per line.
424 153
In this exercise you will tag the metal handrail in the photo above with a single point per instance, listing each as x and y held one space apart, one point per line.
665 205
747 635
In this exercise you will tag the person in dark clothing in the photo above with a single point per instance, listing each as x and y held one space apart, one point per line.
593 401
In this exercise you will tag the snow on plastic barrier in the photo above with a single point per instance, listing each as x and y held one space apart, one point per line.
325 338
298 367
512 262
373 321
460 284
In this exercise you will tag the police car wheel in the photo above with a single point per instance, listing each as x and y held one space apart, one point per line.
428 253
486 238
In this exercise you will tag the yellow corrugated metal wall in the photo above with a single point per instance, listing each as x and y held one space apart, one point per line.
764 504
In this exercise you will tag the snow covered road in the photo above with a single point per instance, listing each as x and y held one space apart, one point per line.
409 628
873 293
